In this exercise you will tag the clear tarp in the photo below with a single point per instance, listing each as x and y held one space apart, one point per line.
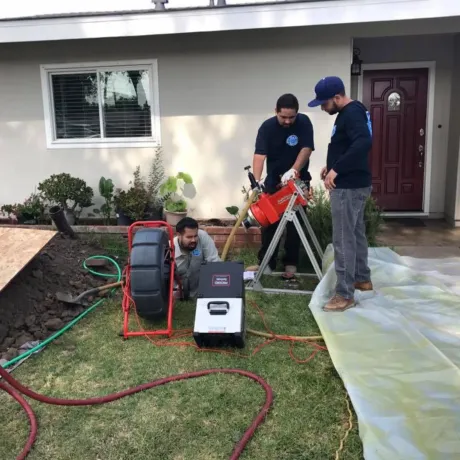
398 353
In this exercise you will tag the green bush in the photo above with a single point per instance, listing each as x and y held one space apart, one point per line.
67 191
319 215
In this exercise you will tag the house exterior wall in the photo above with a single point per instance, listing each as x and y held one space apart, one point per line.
214 91
453 163
438 48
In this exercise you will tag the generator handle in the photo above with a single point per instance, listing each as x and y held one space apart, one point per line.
222 307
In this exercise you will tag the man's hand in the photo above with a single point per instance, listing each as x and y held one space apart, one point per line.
323 173
329 180
291 174
308 194
261 184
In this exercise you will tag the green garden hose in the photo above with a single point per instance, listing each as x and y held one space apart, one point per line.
118 276
75 320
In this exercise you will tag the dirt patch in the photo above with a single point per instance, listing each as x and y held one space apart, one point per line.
28 306
216 223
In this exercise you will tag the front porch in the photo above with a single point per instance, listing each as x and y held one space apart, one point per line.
422 238
408 84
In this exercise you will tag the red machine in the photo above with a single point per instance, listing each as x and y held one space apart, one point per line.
150 276
269 208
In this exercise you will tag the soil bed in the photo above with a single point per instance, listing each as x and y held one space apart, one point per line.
28 306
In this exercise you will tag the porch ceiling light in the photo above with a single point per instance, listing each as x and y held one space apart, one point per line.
356 64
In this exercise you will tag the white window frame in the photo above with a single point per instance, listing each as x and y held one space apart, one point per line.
47 70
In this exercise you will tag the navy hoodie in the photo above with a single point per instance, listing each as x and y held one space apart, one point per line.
351 143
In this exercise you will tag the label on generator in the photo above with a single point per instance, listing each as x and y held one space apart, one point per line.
220 280
217 329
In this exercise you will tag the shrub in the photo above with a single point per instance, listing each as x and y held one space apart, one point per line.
106 190
135 200
319 215
67 191
31 211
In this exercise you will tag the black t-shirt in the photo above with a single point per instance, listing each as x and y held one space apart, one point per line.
282 145
351 142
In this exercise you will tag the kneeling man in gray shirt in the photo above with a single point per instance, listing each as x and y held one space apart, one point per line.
193 246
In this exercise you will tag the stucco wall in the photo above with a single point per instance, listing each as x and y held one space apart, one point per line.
437 48
452 175
214 93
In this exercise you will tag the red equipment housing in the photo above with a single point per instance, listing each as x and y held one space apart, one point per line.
128 302
269 208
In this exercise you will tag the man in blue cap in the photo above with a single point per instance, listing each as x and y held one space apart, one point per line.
348 178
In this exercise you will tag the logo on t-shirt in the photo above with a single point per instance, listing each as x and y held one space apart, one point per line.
196 252
292 140
369 122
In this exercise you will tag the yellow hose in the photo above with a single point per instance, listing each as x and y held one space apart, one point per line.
237 224
224 256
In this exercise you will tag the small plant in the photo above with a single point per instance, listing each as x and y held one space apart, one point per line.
374 221
31 211
156 178
8 210
173 202
71 193
134 201
235 210
106 190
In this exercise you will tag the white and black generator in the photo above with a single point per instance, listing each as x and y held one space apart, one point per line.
220 306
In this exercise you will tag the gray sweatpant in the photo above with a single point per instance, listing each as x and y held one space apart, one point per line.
349 238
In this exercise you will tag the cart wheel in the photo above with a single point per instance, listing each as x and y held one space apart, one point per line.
150 272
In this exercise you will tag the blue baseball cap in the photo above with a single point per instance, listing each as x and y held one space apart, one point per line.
326 89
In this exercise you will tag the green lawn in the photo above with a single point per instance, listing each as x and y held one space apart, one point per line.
201 418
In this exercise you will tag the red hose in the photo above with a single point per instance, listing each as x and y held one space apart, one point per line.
30 413
238 449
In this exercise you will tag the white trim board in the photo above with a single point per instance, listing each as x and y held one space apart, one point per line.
429 128
275 15
47 69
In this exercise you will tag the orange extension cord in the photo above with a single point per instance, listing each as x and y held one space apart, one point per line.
16 389
274 337
180 334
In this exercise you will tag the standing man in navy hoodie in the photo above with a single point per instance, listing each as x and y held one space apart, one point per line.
348 178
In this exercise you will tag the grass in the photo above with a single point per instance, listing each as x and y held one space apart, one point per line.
201 418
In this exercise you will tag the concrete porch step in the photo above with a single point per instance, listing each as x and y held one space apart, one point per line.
428 252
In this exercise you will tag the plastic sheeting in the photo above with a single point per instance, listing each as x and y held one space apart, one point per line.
398 354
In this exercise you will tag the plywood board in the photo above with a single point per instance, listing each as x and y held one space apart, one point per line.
18 246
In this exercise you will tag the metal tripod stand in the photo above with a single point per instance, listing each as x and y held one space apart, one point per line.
290 216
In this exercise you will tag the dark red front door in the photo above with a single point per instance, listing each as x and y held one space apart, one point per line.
397 102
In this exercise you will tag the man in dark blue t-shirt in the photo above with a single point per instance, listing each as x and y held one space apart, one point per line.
285 141
348 178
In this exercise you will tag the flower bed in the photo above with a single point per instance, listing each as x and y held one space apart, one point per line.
250 238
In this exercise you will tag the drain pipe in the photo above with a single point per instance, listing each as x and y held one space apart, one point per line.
58 217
